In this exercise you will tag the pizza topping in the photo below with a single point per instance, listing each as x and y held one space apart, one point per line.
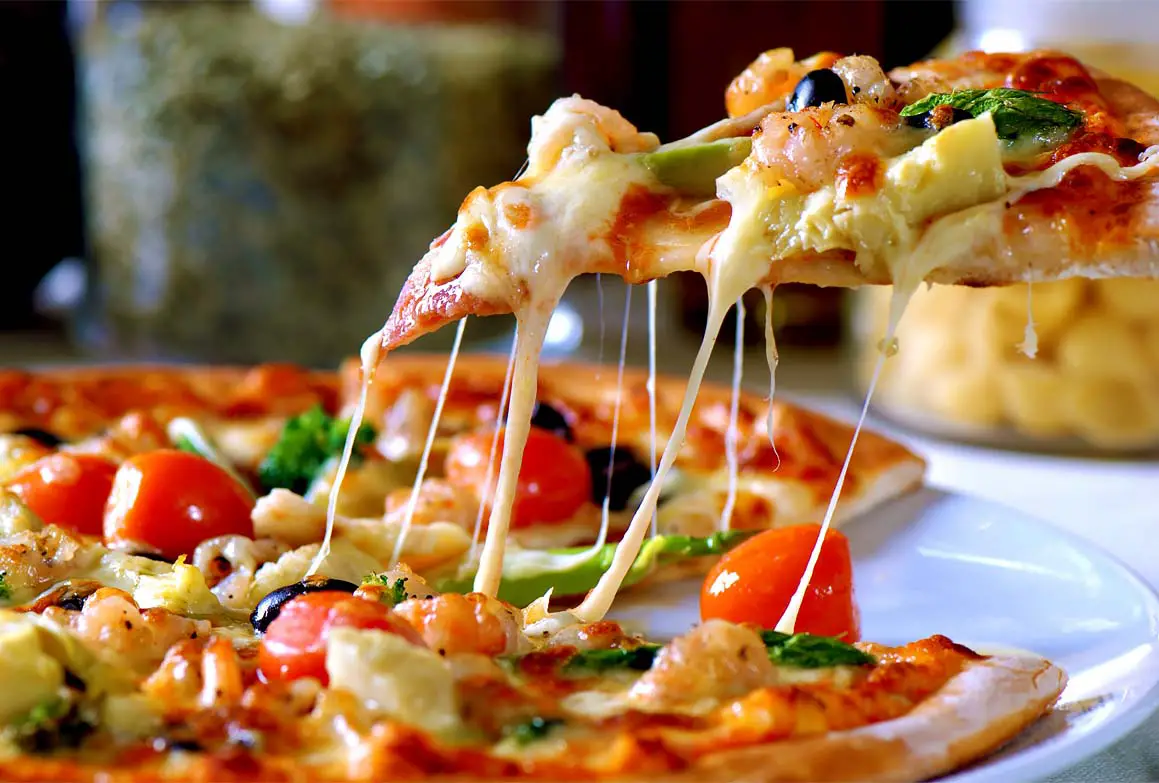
1018 115
69 490
119 630
270 607
474 623
865 81
294 644
395 586
554 480
808 651
170 501
616 475
941 116
188 435
816 88
393 677
529 573
15 515
43 437
754 583
308 442
715 660
693 169
547 418
804 148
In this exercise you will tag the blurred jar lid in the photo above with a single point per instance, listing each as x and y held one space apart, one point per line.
1014 25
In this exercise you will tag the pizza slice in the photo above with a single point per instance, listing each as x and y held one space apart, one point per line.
986 169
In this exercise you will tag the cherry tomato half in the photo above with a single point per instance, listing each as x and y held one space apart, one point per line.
171 501
294 644
754 583
65 489
554 479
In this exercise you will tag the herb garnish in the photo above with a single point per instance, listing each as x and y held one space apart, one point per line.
531 730
308 441
397 587
5 588
801 650
806 651
1017 114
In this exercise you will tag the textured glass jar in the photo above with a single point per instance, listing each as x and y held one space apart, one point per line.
261 178
959 371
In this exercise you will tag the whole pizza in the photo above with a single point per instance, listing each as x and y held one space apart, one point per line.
403 569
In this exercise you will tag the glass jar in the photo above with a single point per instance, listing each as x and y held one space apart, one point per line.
959 370
262 177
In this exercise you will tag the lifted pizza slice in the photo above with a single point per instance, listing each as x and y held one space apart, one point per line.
988 169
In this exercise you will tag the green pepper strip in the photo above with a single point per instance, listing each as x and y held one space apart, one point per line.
695 169
578 579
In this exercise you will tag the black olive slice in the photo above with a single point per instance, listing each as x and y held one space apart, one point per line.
548 418
815 88
270 607
627 473
43 437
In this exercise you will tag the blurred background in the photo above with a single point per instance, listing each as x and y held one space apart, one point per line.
251 181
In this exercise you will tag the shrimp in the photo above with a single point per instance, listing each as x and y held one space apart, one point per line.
771 77
866 81
289 518
115 627
230 562
808 148
32 559
716 660
581 126
604 635
472 623
438 501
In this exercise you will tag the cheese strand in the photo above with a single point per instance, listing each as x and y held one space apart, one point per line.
652 291
732 436
432 432
499 413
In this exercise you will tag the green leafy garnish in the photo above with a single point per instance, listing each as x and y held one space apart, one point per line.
1018 115
531 730
806 651
594 661
5 588
398 592
307 443
801 651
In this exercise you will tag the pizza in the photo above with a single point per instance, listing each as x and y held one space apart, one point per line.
407 569
157 609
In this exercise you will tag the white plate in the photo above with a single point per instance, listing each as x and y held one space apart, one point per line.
990 577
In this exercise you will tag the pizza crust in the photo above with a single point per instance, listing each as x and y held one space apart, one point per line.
978 711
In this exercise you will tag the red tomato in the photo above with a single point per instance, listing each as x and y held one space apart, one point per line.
754 582
171 501
65 489
294 644
554 479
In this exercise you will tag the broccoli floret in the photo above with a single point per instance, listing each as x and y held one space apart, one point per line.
307 443
397 593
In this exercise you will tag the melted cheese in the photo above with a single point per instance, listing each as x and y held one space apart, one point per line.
370 354
731 435
771 358
500 412
432 432
1029 344
652 291
605 507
